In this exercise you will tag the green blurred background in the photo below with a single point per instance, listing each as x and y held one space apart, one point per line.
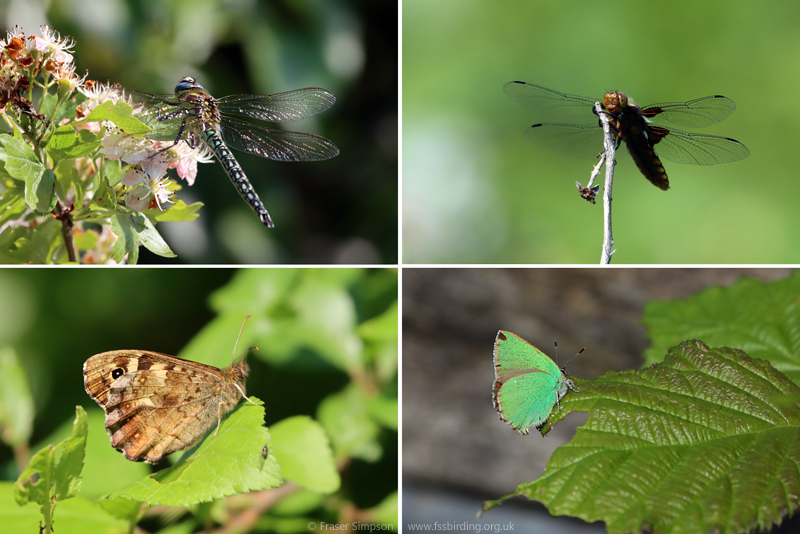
327 339
342 210
475 191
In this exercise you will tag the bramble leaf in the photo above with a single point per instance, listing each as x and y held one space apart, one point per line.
707 441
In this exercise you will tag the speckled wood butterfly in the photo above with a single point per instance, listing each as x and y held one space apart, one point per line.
157 404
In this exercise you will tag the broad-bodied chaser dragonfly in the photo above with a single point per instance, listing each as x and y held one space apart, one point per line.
638 127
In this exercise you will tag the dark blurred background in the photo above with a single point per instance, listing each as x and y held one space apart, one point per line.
493 197
342 210
456 451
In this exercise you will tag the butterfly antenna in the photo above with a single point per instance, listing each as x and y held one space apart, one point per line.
583 349
565 363
239 337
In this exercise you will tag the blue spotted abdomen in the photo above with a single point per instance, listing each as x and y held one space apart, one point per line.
236 174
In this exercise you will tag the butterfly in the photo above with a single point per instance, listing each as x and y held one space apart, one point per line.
528 384
156 404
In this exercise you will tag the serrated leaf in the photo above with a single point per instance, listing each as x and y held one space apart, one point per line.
21 163
219 466
53 473
150 237
762 319
707 441
304 452
132 230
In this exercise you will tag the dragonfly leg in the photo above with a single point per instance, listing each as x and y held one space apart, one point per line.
174 143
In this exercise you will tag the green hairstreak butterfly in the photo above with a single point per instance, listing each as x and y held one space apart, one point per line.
527 383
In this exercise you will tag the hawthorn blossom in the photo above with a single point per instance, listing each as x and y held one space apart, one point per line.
51 43
149 180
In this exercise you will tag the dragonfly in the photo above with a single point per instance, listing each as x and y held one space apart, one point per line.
647 131
195 117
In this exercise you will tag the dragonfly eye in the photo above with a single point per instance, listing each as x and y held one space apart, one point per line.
187 83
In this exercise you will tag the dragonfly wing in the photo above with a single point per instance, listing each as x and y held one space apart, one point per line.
137 96
553 103
697 113
280 145
699 149
281 107
155 111
576 140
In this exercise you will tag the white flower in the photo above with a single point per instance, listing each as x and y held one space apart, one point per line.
118 145
50 42
150 180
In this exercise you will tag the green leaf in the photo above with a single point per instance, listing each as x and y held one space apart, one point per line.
16 403
762 319
219 466
386 512
21 245
120 114
707 441
86 241
102 459
75 516
127 242
39 194
179 212
347 420
254 290
66 143
67 176
384 410
213 345
12 201
121 508
327 317
53 473
150 237
21 163
304 453
382 327
133 229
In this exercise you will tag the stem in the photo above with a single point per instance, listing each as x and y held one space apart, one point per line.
62 214
608 239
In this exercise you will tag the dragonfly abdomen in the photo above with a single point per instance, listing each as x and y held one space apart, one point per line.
236 174
646 159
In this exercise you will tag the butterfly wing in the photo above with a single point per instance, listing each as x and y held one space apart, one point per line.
527 382
156 404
